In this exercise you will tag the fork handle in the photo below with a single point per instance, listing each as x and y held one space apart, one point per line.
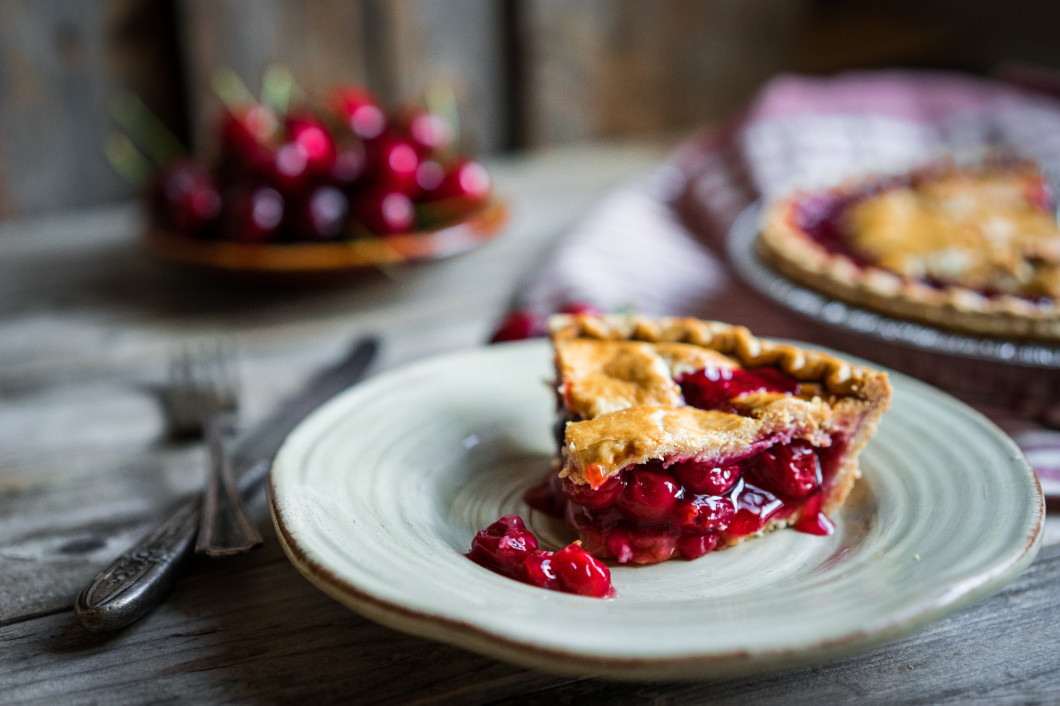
224 529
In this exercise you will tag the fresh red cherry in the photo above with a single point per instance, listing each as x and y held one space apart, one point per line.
321 214
430 133
185 197
290 168
793 470
309 133
518 325
247 133
349 169
252 215
649 496
706 478
603 497
384 212
467 180
580 307
361 112
392 163
429 176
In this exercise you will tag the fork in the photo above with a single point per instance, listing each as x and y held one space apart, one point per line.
204 397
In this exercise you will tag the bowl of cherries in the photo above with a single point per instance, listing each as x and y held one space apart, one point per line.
315 189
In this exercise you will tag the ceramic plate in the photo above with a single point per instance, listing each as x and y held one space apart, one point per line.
376 497
300 260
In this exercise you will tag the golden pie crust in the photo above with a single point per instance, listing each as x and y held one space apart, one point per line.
973 249
615 384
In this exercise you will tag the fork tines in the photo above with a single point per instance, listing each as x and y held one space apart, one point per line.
203 382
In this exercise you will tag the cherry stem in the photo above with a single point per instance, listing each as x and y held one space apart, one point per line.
143 127
276 87
227 85
127 160
441 101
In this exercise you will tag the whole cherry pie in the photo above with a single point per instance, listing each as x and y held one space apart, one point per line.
971 248
678 436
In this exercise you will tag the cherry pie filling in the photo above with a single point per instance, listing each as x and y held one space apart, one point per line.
646 513
508 548
823 218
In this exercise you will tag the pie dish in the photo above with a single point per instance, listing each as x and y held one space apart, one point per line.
678 436
1017 375
973 248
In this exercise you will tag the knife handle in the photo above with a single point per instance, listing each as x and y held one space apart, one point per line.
143 576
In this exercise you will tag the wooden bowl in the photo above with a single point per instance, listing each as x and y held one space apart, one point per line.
300 260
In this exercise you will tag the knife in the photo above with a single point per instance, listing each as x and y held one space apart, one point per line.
144 575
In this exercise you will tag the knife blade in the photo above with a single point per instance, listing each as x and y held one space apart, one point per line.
144 575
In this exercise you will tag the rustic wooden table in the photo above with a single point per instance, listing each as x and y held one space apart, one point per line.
86 323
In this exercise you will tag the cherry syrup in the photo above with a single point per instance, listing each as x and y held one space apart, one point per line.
646 514
715 388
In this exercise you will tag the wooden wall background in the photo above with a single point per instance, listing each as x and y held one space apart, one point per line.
525 73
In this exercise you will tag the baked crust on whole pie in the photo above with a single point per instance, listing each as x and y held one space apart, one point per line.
626 404
975 249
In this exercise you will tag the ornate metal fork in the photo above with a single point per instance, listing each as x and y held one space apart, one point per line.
204 397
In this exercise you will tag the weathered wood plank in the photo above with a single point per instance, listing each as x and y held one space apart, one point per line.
321 42
61 62
251 628
457 45
628 68
398 49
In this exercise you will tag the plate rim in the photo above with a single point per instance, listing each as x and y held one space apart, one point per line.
699 665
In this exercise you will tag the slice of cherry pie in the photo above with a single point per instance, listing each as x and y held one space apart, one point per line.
678 436
974 249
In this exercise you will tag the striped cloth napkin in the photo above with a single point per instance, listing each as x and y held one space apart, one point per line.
656 245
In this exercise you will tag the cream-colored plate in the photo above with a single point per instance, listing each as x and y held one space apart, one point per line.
377 495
